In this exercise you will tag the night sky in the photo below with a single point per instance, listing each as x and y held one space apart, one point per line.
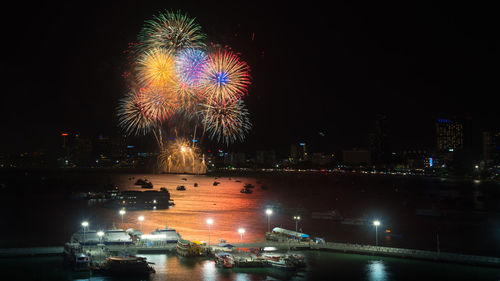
315 68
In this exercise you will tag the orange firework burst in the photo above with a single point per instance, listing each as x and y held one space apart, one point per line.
156 68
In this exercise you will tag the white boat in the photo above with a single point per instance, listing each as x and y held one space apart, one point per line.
87 237
280 261
116 236
168 235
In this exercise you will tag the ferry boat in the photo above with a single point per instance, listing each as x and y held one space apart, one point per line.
140 200
74 257
166 235
116 236
86 238
126 266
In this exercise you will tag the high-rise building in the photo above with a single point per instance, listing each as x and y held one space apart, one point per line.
449 135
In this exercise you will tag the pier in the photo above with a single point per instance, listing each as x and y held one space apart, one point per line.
288 245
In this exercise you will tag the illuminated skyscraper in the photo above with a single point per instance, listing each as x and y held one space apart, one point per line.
449 134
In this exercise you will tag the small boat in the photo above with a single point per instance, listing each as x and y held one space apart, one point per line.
163 189
147 185
126 266
216 183
141 181
265 187
74 257
181 187
246 190
238 181
195 184
249 185
184 179
280 261
223 259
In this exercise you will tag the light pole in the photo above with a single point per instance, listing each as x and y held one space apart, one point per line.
269 212
296 218
241 231
376 224
84 225
209 222
122 212
141 218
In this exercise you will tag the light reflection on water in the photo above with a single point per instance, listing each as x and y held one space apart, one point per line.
376 271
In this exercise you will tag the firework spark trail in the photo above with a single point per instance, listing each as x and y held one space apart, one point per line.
178 156
225 121
172 31
157 103
226 77
131 118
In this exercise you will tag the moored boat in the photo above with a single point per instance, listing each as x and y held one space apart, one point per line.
126 266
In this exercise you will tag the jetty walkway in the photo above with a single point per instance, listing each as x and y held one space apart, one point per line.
289 245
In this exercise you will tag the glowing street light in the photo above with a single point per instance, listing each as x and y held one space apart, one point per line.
209 222
269 212
241 231
100 234
296 218
85 224
122 212
376 224
141 219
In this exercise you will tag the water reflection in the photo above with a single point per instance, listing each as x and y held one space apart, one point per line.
376 271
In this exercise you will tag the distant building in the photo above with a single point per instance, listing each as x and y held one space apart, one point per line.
298 153
265 158
491 147
356 157
449 135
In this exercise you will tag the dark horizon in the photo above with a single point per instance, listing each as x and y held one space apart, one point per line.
314 69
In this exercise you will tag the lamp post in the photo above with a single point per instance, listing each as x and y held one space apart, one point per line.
376 224
209 223
241 231
269 212
296 218
85 224
122 212
140 218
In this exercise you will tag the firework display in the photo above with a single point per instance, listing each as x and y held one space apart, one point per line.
179 87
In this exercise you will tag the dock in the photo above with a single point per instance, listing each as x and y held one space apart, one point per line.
244 261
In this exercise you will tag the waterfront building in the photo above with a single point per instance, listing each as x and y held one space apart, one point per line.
449 135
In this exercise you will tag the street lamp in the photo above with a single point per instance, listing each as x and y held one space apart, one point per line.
376 224
241 231
122 212
269 212
141 218
85 224
209 222
296 218
100 234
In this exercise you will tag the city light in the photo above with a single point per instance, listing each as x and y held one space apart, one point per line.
209 223
241 231
269 212
376 223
